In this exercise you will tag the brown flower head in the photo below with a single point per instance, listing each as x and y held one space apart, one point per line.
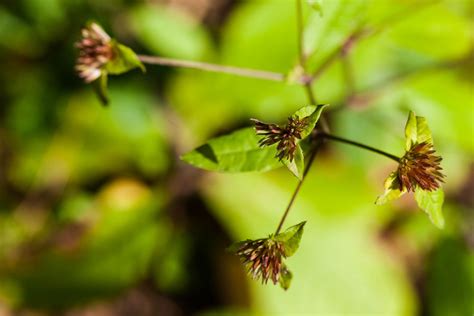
263 258
420 167
285 136
95 50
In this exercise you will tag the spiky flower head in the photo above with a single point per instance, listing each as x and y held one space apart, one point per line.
286 136
95 51
263 258
420 167
419 171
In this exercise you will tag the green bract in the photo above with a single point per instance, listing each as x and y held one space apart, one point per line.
419 143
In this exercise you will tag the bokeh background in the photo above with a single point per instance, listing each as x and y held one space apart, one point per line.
99 217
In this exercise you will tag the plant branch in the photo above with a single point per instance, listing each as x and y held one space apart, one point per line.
353 143
314 152
237 71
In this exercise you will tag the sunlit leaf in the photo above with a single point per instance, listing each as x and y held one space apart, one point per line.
416 131
296 166
235 152
124 60
313 113
392 190
291 238
432 203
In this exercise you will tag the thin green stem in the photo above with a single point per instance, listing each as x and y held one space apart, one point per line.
357 144
314 152
237 71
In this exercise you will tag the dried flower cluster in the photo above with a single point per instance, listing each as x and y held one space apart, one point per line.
420 167
286 136
95 51
263 258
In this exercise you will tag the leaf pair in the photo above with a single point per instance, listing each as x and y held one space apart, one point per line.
418 171
240 151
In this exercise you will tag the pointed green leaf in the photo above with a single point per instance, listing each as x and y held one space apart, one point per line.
316 5
432 203
424 132
313 113
124 60
291 238
100 88
296 166
235 152
416 131
392 190
410 131
285 278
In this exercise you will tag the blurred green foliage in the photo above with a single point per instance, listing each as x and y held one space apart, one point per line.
94 203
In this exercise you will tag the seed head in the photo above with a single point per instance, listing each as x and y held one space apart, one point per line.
420 167
95 50
285 136
263 258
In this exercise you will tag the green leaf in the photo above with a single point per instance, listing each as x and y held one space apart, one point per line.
316 5
291 238
169 32
100 88
296 166
432 203
124 60
235 152
285 278
313 113
416 131
392 190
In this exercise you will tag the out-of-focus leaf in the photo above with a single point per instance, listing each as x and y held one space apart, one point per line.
296 166
235 152
124 60
291 238
285 278
392 190
450 279
316 5
312 112
326 34
169 32
432 203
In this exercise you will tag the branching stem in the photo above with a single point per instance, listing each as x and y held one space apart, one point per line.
237 71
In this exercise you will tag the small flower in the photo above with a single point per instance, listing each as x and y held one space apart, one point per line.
419 171
263 258
95 51
286 136
420 167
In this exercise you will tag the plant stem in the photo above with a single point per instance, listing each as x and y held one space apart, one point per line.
312 100
314 152
237 71
350 142
299 29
